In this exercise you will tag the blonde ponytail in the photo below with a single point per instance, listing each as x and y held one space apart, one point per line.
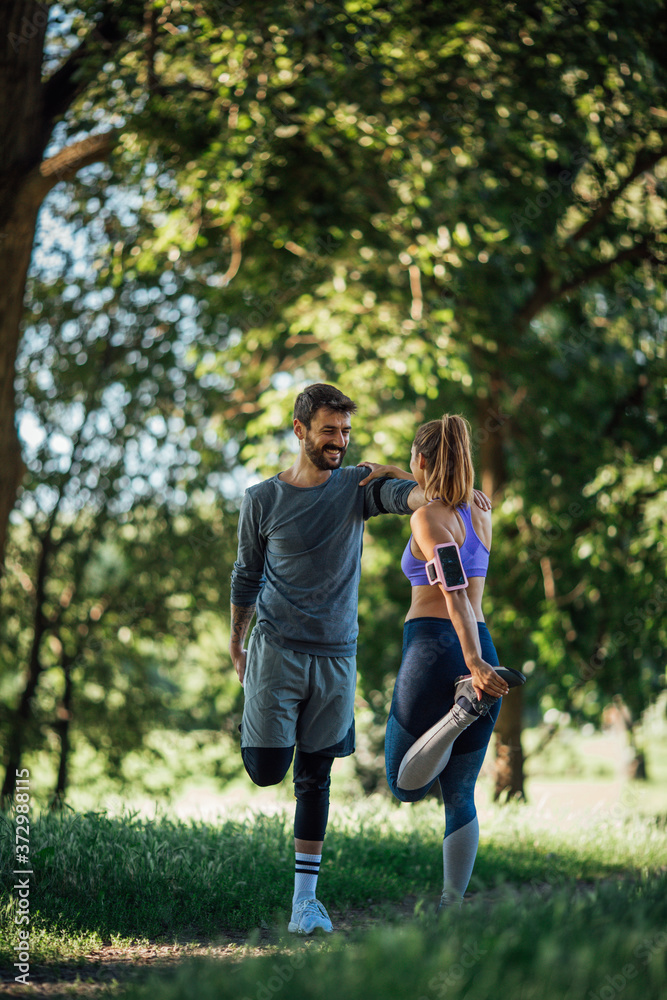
445 444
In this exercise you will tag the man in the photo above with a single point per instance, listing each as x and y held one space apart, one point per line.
298 568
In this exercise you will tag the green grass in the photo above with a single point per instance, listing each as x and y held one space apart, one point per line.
595 946
567 898
563 903
575 913
129 878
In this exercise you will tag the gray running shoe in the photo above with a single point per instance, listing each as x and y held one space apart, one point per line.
464 692
449 903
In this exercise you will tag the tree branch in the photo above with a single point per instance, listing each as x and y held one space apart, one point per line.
547 291
236 257
543 294
67 163
639 250
150 45
644 161
63 166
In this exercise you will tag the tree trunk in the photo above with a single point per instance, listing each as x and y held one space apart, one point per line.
62 727
22 143
29 108
509 752
636 767
489 436
491 430
15 252
23 714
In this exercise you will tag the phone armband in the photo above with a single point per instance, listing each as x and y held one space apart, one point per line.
446 567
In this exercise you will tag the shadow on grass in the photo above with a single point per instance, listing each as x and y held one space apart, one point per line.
568 945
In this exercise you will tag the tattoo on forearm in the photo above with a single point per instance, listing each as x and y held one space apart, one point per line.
241 618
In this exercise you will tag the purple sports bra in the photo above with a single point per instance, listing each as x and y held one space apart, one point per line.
474 555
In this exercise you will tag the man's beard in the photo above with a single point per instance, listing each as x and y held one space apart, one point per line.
320 458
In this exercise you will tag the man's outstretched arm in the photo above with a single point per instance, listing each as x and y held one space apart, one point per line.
416 498
242 615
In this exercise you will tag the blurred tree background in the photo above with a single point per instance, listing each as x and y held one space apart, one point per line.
438 207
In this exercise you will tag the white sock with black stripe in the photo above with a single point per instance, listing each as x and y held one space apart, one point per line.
306 870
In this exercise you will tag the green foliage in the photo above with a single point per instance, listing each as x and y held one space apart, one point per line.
120 548
442 209
436 207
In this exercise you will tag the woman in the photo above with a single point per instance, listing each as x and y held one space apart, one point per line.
448 689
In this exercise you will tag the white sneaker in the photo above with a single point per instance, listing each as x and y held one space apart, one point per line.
307 916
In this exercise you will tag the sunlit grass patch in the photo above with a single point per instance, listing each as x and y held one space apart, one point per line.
99 878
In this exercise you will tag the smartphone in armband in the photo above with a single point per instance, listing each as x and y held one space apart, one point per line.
446 567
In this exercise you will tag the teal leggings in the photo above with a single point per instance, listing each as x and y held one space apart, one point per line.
424 693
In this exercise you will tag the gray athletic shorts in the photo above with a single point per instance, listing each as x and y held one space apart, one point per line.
298 699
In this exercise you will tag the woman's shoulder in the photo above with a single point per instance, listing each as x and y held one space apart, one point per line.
482 523
479 516
432 513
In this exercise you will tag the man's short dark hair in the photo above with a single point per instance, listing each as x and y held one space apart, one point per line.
317 396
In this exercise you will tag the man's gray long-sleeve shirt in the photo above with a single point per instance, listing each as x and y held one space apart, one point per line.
299 556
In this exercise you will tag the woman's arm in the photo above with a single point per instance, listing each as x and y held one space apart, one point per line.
429 530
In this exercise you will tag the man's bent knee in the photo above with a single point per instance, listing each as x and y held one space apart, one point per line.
312 776
267 765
